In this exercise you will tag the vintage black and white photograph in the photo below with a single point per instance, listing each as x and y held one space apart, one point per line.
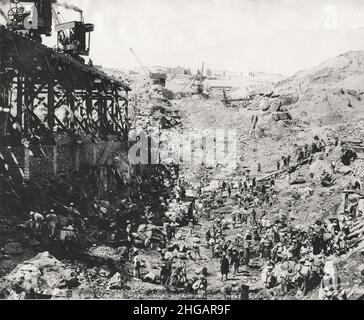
169 150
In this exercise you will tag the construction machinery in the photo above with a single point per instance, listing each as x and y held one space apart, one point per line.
3 14
199 86
73 38
33 22
237 102
158 78
73 96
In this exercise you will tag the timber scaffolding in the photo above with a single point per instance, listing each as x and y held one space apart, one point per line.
33 75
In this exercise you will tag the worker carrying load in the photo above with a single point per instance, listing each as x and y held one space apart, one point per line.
68 237
37 221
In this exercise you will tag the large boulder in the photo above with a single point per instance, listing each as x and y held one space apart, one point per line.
42 275
150 277
264 105
104 253
281 116
345 170
275 105
168 255
116 282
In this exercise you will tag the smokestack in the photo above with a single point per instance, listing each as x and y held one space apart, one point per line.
70 7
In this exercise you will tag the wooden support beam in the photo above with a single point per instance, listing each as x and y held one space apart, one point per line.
42 74
50 101
89 98
28 102
19 101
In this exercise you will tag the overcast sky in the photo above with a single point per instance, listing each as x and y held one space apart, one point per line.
269 35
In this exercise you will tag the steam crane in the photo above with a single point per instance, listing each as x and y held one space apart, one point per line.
158 78
35 22
200 87
77 98
73 38
146 70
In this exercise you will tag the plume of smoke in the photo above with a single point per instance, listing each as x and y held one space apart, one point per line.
66 6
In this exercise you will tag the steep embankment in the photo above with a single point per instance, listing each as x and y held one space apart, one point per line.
315 111
330 92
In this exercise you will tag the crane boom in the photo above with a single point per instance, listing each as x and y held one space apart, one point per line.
5 16
147 72
55 17
188 84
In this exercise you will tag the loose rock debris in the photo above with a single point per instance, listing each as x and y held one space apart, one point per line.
284 223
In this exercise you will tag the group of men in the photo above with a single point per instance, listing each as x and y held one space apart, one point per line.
292 258
54 227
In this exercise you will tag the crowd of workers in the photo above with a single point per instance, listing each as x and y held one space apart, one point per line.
291 258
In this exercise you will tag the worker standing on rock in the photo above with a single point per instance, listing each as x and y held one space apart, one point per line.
333 166
164 275
224 267
196 251
137 265
235 261
128 231
68 237
233 219
51 223
243 292
240 187
215 250
190 230
247 251
168 231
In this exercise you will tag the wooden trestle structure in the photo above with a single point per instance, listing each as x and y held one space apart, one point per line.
33 75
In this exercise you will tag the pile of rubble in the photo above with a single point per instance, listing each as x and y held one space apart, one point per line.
151 106
43 276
